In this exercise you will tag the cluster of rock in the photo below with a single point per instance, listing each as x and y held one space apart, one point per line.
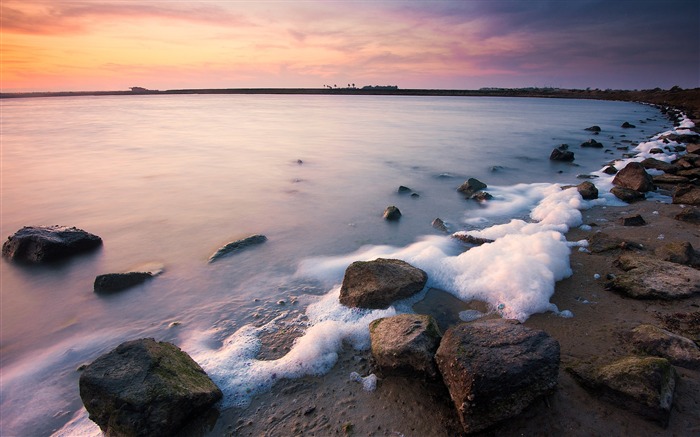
493 369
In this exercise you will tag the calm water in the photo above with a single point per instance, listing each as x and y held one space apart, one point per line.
166 180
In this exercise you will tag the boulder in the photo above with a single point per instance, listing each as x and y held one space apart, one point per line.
644 385
237 246
405 344
391 213
113 282
561 155
145 388
679 350
689 215
404 190
495 368
439 225
680 252
681 138
670 179
633 220
634 177
656 164
592 143
471 186
610 169
379 283
587 190
593 128
686 194
627 125
627 195
692 173
650 278
37 244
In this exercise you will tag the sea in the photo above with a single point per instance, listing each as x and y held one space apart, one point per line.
166 180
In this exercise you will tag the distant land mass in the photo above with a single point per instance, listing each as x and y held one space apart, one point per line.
687 100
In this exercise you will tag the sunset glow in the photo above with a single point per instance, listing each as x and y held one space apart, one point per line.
52 45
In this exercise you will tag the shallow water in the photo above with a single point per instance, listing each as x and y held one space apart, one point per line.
169 179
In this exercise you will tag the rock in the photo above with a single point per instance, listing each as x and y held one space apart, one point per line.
644 385
693 148
593 128
481 196
634 220
611 170
649 278
145 388
379 283
592 143
689 215
466 238
471 186
627 195
405 344
37 244
693 173
404 190
561 155
439 225
634 177
679 252
391 213
686 194
679 350
587 190
669 179
113 282
681 138
601 242
495 368
656 151
237 246
627 125
656 164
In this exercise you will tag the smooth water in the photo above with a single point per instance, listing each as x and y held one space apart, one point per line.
167 180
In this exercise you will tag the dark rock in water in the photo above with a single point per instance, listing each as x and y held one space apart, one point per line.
37 244
689 215
561 155
481 196
586 176
644 385
237 246
659 165
679 350
405 344
379 283
611 170
494 369
635 220
687 195
466 238
650 278
392 213
656 151
404 190
415 195
679 252
682 138
471 186
627 125
634 177
145 388
627 195
594 128
439 225
592 143
587 190
113 282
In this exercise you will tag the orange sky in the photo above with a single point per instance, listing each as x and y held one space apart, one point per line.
52 45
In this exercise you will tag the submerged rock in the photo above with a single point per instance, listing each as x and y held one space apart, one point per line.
627 125
644 385
561 155
471 186
593 128
439 225
405 344
237 246
592 144
37 244
377 284
113 282
392 213
494 369
679 350
634 177
145 388
650 278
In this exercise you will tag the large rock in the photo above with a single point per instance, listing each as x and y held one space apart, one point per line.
627 195
561 155
656 164
471 186
587 190
145 388
405 344
392 213
495 368
679 350
592 143
634 177
686 195
36 244
237 246
113 282
650 278
689 215
680 252
644 385
377 284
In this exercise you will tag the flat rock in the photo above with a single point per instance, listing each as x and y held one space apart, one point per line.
113 282
680 252
686 195
377 284
679 350
495 368
634 177
633 220
145 388
644 385
37 244
405 344
602 242
594 128
669 179
656 164
649 278
469 239
237 246
627 195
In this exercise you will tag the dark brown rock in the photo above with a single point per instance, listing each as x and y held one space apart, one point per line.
561 155
587 190
466 238
405 344
689 215
650 278
392 213
670 179
145 388
471 186
37 244
634 177
627 125
653 163
611 170
439 225
379 283
495 368
592 143
113 282
635 220
693 148
237 246
627 195
679 350
679 252
686 194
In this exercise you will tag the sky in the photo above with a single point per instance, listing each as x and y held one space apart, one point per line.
90 45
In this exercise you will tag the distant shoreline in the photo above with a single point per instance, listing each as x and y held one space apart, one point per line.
686 100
